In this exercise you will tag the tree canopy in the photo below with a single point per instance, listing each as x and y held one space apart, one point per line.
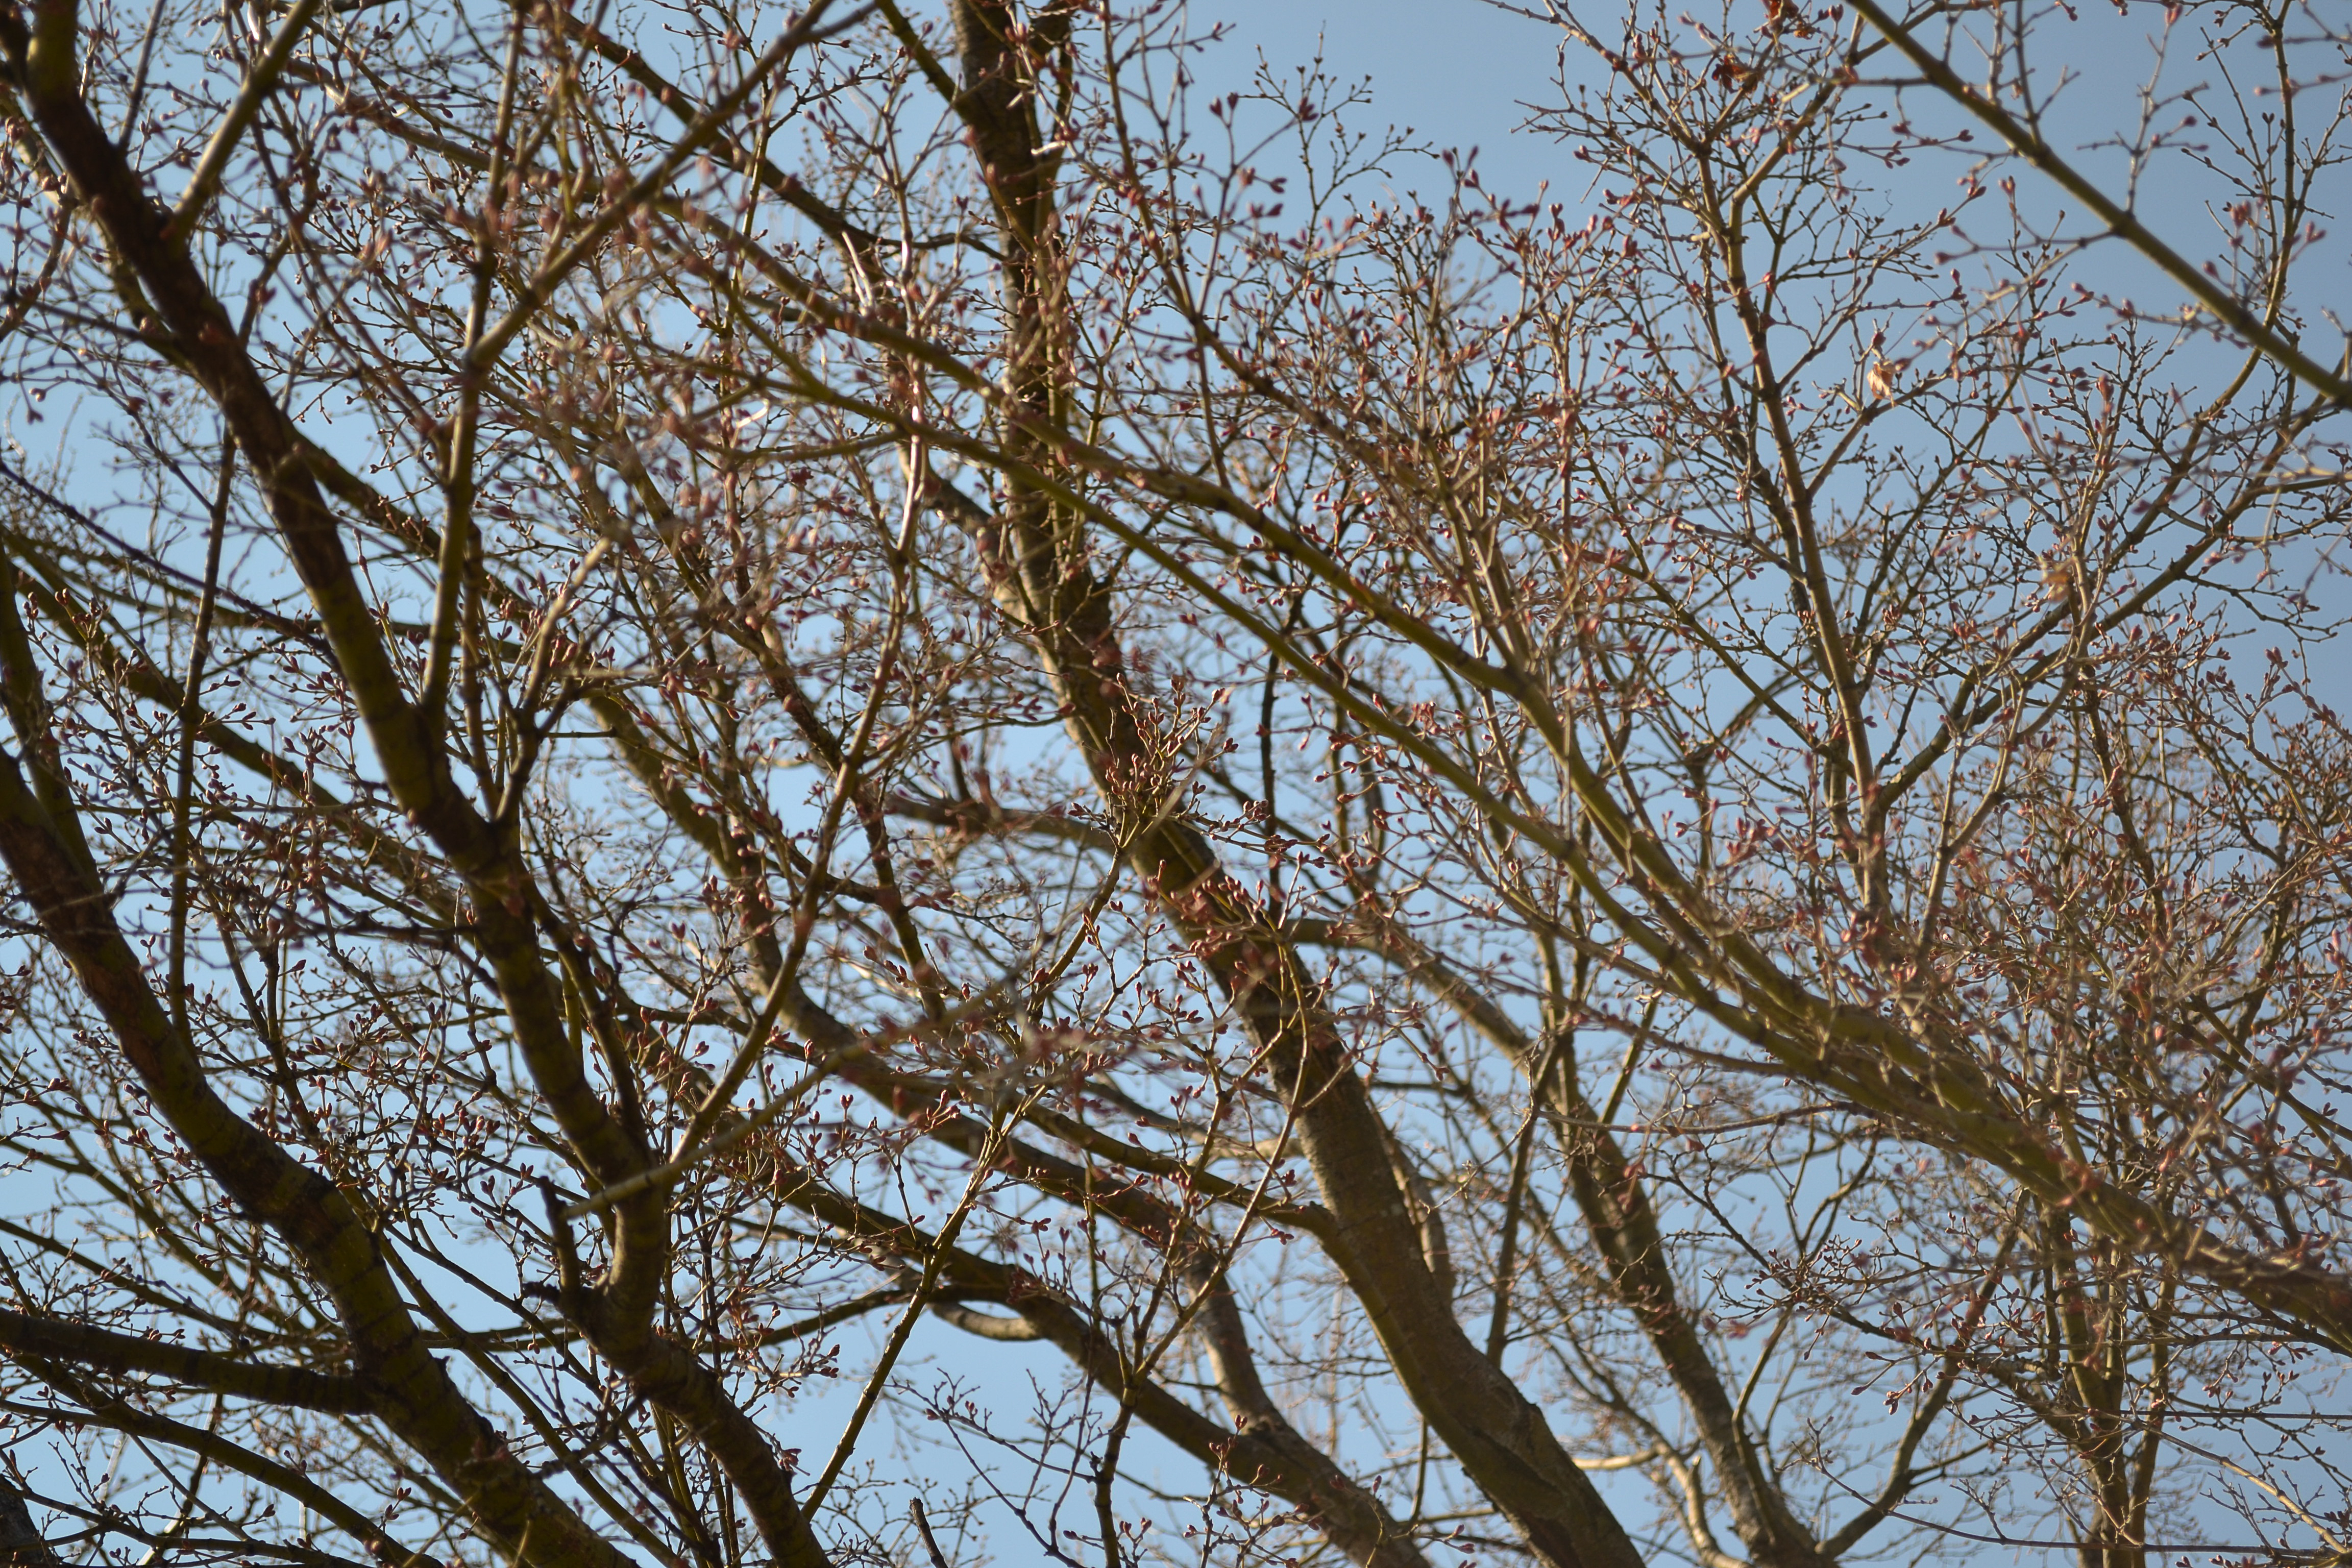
862 785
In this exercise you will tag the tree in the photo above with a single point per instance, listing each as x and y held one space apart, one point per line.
731 729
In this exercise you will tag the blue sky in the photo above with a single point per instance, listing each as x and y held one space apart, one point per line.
1457 71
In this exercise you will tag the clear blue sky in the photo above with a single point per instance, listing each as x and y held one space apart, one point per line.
1457 71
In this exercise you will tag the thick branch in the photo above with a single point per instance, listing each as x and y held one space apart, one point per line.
217 1372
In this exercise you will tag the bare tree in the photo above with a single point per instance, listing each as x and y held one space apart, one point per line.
851 786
